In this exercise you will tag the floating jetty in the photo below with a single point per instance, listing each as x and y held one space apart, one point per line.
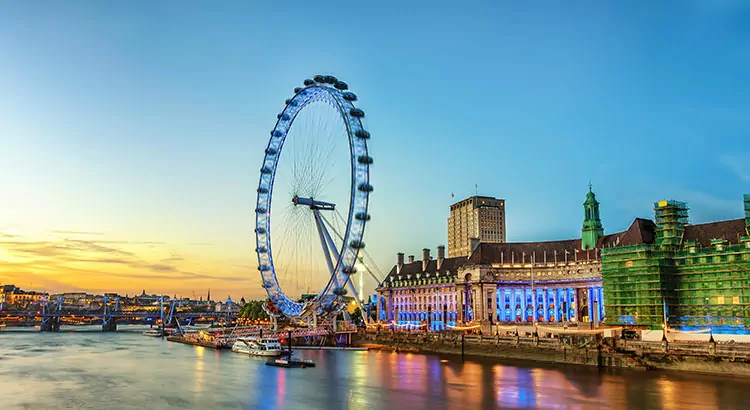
354 349
197 342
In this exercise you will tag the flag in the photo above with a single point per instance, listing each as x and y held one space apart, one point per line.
452 196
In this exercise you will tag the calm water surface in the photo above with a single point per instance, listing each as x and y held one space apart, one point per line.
77 370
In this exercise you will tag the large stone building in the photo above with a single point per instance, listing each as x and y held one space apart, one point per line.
688 275
554 281
478 217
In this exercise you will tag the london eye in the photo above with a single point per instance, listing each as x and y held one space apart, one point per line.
315 182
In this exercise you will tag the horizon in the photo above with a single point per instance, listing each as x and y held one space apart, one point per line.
132 142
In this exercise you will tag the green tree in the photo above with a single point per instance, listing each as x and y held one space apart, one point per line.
253 310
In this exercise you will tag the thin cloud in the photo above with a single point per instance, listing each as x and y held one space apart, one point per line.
67 232
201 244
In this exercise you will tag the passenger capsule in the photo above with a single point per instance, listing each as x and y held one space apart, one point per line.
357 244
349 96
362 134
341 85
262 249
277 133
265 170
319 79
339 292
260 210
349 270
362 216
262 190
297 90
365 159
365 187
356 112
271 151
309 82
260 230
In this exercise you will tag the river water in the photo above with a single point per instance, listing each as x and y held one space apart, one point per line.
94 370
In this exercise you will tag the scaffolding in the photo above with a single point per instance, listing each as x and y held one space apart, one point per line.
711 285
747 214
676 283
633 281
671 218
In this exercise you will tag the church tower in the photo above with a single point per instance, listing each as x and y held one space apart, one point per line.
592 225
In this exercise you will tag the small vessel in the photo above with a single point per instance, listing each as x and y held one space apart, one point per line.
152 333
288 360
257 346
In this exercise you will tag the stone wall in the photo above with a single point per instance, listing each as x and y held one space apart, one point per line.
580 350
591 350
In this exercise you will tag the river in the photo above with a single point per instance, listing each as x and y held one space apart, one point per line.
94 370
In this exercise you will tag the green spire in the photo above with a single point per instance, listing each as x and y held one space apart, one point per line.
592 225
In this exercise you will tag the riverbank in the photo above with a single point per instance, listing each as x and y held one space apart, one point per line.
709 358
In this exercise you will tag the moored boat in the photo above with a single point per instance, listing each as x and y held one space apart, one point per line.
257 346
290 362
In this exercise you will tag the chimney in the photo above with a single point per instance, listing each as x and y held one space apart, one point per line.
474 245
411 258
399 261
441 256
425 259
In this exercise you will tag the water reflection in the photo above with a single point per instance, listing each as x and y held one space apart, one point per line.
134 372
200 351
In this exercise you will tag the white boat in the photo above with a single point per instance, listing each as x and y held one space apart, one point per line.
257 347
152 333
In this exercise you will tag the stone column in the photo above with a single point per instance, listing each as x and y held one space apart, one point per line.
545 304
523 305
575 304
556 301
459 304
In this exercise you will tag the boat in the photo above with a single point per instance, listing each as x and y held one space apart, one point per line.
152 333
289 360
257 346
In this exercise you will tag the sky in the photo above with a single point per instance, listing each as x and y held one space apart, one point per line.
132 133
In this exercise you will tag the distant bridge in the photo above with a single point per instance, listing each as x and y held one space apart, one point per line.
134 315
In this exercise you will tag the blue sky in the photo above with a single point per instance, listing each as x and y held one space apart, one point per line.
146 122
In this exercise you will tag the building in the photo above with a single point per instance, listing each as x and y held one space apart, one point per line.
478 217
497 283
15 297
688 276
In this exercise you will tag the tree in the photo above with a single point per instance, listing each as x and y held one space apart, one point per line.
253 310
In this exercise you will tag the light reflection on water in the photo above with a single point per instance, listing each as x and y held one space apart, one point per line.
129 371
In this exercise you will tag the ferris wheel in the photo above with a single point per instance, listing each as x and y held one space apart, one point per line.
315 181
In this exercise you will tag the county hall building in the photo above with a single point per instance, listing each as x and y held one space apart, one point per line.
491 282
